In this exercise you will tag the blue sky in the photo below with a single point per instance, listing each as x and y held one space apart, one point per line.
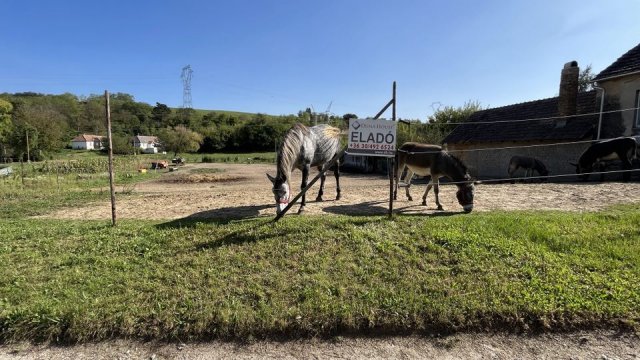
282 56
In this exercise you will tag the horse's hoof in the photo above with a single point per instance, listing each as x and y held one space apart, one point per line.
410 198
440 208
318 199
301 211
337 197
424 203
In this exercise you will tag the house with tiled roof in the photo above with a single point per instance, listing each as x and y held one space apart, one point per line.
620 83
534 129
88 142
555 130
147 144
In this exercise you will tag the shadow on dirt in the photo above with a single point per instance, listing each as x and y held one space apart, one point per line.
373 208
216 216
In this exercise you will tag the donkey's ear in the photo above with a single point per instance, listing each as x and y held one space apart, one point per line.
271 178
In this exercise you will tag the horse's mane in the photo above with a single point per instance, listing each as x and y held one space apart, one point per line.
290 149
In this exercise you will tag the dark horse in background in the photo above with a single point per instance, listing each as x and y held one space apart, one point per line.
529 164
302 148
423 159
624 149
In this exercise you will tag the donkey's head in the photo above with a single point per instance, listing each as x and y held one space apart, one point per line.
582 168
281 192
465 194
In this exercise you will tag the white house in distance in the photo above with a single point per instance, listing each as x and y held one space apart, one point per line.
88 142
147 144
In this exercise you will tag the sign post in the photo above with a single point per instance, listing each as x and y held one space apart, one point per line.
374 138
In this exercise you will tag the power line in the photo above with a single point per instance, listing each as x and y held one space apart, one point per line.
538 177
566 117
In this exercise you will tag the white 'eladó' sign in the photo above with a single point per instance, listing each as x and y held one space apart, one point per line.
372 137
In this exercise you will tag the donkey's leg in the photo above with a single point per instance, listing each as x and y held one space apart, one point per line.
407 181
323 177
426 192
626 165
336 173
436 190
601 168
305 177
397 171
512 169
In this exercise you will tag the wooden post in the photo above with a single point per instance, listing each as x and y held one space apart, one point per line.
111 184
392 160
26 131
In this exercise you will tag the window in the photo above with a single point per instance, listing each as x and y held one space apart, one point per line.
636 113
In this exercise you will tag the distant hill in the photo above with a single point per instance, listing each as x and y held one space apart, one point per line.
205 111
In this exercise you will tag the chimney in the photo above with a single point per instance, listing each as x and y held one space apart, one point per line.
567 101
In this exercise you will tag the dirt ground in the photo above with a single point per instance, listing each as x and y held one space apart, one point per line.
243 191
582 345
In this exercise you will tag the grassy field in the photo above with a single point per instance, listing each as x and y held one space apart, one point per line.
308 276
240 158
70 281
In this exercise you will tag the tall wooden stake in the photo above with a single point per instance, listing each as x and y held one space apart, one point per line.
111 183
391 162
28 156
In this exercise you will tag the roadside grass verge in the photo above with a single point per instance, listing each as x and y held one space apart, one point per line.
74 281
37 193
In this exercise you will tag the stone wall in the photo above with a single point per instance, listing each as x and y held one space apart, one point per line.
493 164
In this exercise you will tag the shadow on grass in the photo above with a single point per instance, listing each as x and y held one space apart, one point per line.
216 216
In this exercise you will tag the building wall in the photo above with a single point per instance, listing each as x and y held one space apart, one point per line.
493 164
622 91
82 145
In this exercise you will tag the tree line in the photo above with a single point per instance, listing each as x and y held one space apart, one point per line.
43 124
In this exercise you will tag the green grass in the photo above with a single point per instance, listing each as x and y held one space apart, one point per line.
240 158
319 275
37 188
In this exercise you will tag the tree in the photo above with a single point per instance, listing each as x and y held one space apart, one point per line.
438 123
585 79
160 115
5 123
180 139
348 116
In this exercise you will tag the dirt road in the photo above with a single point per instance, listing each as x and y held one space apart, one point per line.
582 345
242 191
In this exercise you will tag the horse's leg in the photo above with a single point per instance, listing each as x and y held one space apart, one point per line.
426 192
436 190
305 177
322 179
336 173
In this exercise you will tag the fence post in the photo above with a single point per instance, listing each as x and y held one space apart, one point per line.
111 184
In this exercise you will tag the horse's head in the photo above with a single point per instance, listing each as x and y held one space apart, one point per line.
281 192
465 194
